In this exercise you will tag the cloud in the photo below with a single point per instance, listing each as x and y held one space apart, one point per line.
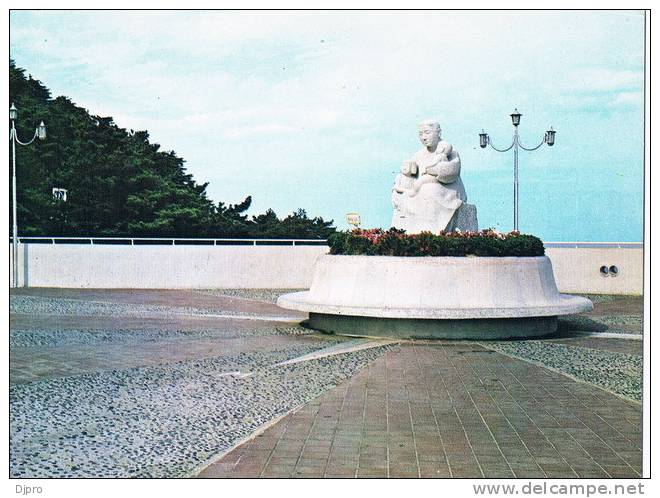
257 131
336 91
628 98
597 79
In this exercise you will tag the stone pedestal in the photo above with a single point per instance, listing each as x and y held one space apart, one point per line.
466 218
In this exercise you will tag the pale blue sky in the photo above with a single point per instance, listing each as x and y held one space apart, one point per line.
318 109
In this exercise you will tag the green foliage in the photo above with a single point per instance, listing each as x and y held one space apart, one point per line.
269 226
395 242
118 182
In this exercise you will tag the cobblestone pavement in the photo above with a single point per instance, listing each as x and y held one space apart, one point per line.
158 383
612 314
153 383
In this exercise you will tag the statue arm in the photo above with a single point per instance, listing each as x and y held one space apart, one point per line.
446 171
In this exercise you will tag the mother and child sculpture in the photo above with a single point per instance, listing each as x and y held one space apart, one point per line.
436 296
428 194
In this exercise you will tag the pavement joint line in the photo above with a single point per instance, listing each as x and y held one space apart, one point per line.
333 350
168 314
364 422
387 415
226 374
302 450
285 319
258 431
237 374
412 424
608 335
334 433
437 427
569 376
228 296
336 349
270 455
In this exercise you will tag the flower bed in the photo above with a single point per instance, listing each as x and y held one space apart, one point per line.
394 242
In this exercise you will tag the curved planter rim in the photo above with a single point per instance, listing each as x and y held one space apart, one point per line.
434 287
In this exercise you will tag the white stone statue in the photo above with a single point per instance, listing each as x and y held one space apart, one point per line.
428 192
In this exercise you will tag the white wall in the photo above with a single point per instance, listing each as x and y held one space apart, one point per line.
166 267
576 269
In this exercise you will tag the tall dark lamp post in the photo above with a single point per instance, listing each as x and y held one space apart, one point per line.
484 140
39 132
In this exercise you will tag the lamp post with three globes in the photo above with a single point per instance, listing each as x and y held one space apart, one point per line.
40 133
484 140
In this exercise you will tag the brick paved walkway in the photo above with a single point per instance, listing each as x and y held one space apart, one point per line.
449 410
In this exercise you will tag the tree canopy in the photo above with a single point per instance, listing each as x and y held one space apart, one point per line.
119 183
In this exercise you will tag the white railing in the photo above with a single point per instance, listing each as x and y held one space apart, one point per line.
254 242
594 245
168 241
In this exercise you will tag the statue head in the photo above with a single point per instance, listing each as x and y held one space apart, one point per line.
429 133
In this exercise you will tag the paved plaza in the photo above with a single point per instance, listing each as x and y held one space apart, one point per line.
223 383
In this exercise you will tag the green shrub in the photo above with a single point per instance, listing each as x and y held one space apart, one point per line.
395 242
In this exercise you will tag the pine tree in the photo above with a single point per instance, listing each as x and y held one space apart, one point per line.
118 182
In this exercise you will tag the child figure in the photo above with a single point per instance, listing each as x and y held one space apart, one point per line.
405 180
442 154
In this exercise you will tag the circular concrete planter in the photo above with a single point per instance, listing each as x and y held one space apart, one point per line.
444 297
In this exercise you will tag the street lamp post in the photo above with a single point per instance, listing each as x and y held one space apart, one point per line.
484 140
39 132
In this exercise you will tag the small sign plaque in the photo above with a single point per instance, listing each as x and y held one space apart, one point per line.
353 219
59 194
